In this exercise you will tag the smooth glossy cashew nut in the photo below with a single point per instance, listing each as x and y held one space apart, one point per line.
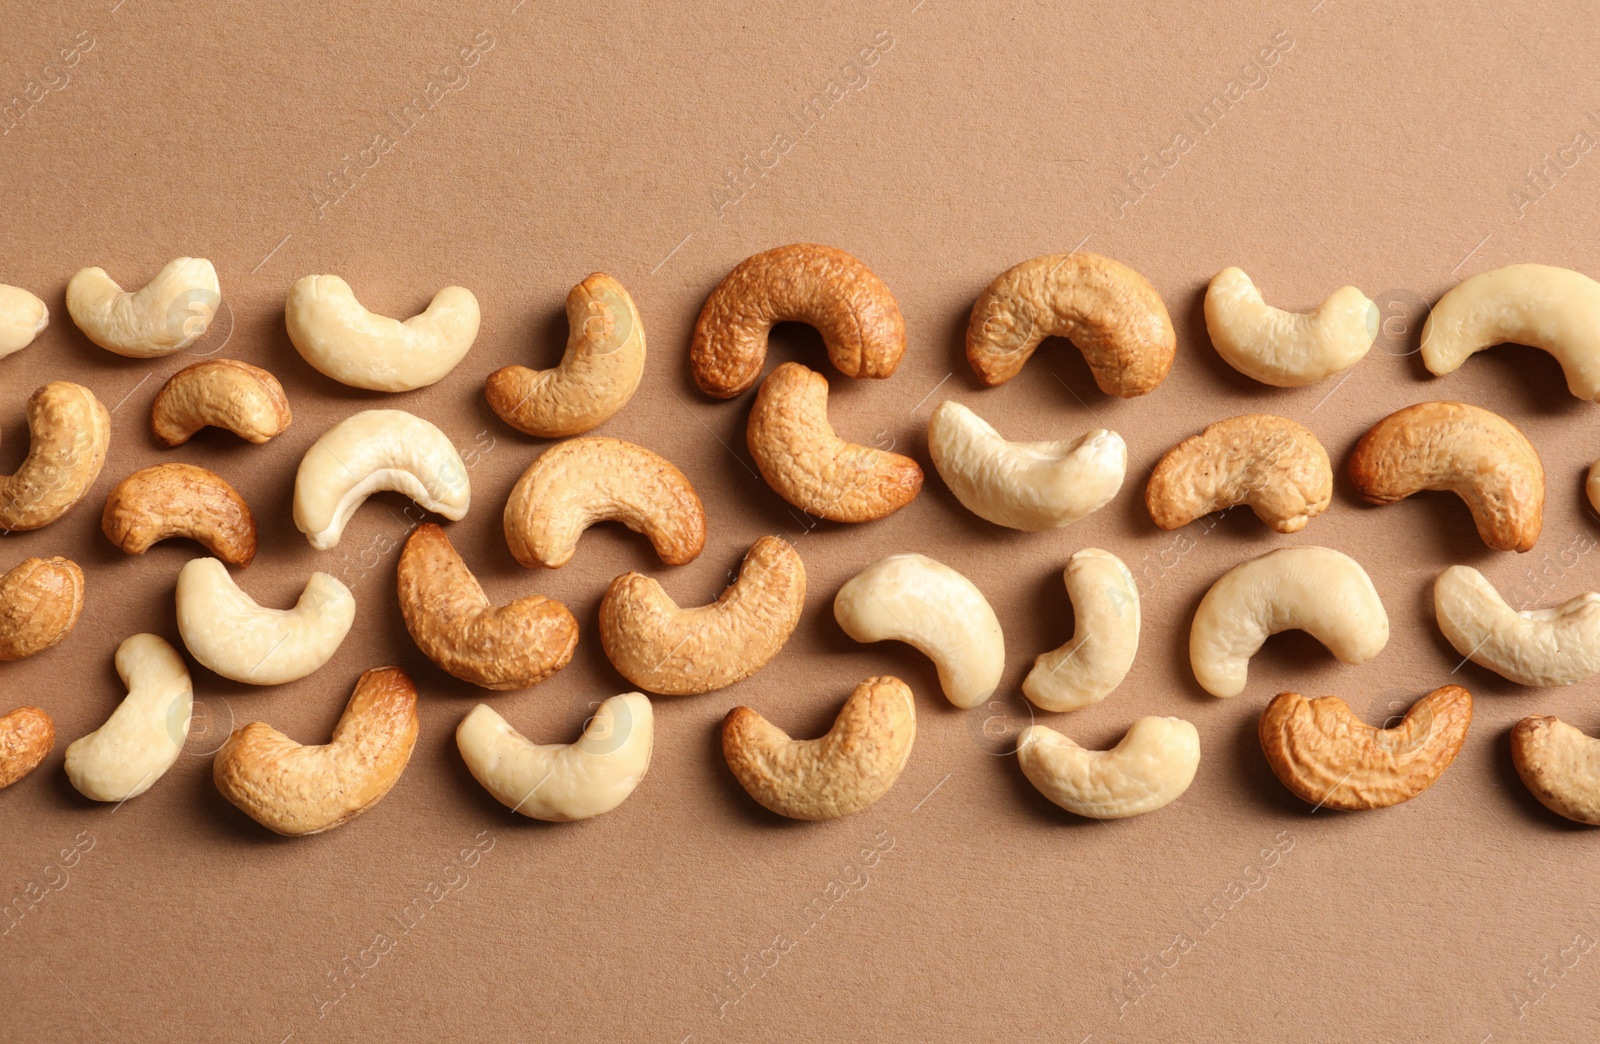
561 782
1559 765
172 311
681 652
1330 758
223 393
180 500
851 766
228 632
596 377
145 734
1149 768
576 483
1031 486
808 465
511 646
40 600
26 736
1271 463
1313 589
295 790
1555 646
1477 455
1287 349
850 307
362 349
372 451
1112 313
1105 608
22 317
935 610
69 432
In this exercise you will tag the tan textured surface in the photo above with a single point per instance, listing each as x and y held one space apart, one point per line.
26 735
1270 463
223 393
1560 764
177 500
40 601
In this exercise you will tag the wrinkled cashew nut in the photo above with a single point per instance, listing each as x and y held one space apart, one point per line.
172 311
1559 765
1270 463
69 432
1105 608
228 632
1287 349
145 734
22 317
26 736
1149 768
222 393
1555 646
341 339
40 601
180 500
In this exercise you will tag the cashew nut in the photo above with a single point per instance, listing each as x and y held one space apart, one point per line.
366 453
40 600
296 790
851 308
145 734
1149 768
1271 463
180 500
1313 589
1287 349
935 610
26 736
560 782
69 432
1030 486
576 483
1555 646
681 652
1477 455
226 393
22 317
1559 765
342 340
452 621
596 377
172 311
842 772
1105 606
228 632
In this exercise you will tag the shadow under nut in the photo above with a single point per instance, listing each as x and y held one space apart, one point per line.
69 432
180 500
1270 463
27 735
221 393
40 602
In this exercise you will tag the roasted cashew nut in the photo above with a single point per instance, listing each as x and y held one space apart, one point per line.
1287 349
1559 765
223 393
22 317
180 500
1105 608
1555 646
228 632
1149 768
40 601
145 734
69 432
1271 463
341 339
26 735
170 313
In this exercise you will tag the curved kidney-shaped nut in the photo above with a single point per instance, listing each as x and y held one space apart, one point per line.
1555 646
342 340
223 393
850 307
576 483
22 317
180 500
1287 349
1314 589
1477 455
1592 487
40 600
811 467
69 432
935 610
1031 486
1149 768
842 772
561 782
296 790
228 632
1105 608
369 452
1560 765
452 621
1271 463
26 736
1555 309
596 377
145 734
681 652
170 313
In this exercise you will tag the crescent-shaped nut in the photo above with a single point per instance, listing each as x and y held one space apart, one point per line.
1287 349
1555 646
596 377
1112 313
170 313
297 790
682 652
1555 309
22 317
1031 486
576 483
1477 455
1314 589
1559 765
1149 768
145 734
26 735
341 339
511 646
851 766
40 601
228 632
1271 463
69 432
561 782
369 452
180 500
850 307
808 465
1105 608
223 393
935 610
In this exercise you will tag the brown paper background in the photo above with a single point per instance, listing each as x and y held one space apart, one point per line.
1383 150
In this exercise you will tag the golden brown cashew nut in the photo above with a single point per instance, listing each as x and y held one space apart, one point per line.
180 500
1477 455
850 307
223 393
40 600
1108 310
22 317
26 735
170 313
69 432
1559 765
596 377
1149 768
1287 349
1271 463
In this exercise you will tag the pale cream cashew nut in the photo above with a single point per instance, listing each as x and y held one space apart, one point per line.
1555 646
169 314
22 317
1287 349
341 339
228 632
1105 606
1149 768
145 734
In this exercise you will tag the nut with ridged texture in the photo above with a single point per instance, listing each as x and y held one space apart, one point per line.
1270 463
220 393
166 501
